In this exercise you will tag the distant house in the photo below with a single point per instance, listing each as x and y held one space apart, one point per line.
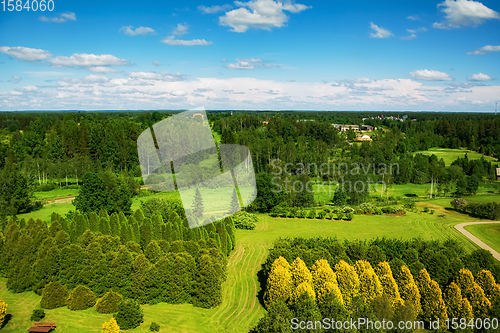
498 173
361 137
367 128
345 128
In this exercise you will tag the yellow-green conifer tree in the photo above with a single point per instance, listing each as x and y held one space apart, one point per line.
389 285
491 289
300 273
110 327
480 304
453 300
465 280
369 283
279 282
302 288
433 305
348 281
408 289
324 281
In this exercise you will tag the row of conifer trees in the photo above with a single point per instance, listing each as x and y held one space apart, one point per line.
142 257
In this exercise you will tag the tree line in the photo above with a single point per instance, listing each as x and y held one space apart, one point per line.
145 257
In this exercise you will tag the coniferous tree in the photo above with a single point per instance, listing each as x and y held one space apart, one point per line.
389 285
453 300
93 195
138 278
408 289
54 295
297 292
324 281
109 302
279 282
491 289
198 209
207 286
369 283
348 282
235 203
277 319
81 298
3 312
110 326
465 280
480 304
306 309
300 273
129 314
433 305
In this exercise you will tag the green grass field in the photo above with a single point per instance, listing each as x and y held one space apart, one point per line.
240 309
450 155
488 233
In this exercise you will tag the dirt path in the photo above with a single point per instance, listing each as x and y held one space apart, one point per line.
461 228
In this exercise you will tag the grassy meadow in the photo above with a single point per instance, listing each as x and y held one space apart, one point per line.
449 155
488 233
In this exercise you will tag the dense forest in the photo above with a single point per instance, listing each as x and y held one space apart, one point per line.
41 150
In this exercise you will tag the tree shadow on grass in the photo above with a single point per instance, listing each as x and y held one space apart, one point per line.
7 318
262 281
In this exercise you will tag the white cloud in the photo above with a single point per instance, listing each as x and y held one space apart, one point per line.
414 31
156 63
413 17
100 93
485 49
85 59
170 40
68 16
479 77
464 13
430 75
47 73
412 36
145 75
29 88
102 69
252 63
129 30
379 32
15 79
214 9
25 53
180 30
261 14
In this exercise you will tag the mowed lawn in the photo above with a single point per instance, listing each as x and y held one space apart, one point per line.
449 155
488 233
240 309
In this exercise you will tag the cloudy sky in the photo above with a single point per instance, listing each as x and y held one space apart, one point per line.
258 54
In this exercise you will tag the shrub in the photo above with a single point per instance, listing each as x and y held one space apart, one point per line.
155 327
47 187
129 314
311 214
321 214
245 220
426 209
54 295
349 216
154 178
81 298
340 215
459 204
291 213
301 213
327 209
410 205
348 210
37 315
109 302
377 211
329 216
432 211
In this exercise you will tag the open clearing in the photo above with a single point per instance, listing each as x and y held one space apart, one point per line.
240 309
488 233
449 155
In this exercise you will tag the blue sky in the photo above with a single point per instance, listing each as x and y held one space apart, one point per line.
259 54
